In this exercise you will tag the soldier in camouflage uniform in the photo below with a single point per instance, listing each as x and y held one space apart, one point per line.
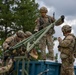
13 40
8 44
41 23
66 47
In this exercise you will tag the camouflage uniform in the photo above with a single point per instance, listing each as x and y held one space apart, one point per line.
13 40
41 23
8 44
6 68
67 53
28 33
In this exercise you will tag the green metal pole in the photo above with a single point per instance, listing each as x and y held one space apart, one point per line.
23 66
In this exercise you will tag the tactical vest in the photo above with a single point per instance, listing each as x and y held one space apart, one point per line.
43 25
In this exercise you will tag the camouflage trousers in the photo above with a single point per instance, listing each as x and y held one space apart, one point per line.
47 41
67 67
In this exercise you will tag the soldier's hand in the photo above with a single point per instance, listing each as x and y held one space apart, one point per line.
62 18
59 39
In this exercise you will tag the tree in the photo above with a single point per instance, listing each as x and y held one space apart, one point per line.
26 13
16 15
5 18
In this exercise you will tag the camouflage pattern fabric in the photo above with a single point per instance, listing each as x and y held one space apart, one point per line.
43 9
67 67
47 40
11 41
67 55
41 23
6 68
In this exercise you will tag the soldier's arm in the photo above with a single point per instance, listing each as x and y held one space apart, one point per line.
6 43
66 42
6 68
52 19
37 25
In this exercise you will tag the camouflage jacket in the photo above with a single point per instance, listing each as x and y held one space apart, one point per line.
10 42
67 44
43 22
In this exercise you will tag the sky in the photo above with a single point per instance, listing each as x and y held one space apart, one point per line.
61 7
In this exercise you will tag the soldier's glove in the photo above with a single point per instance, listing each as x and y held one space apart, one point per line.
62 18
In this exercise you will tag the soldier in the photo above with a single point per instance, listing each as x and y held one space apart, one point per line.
66 47
33 52
8 44
28 34
41 22
13 40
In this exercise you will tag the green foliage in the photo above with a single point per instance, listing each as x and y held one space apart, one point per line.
27 14
16 15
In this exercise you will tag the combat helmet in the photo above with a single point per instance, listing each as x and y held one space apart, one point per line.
43 9
20 34
66 28
28 33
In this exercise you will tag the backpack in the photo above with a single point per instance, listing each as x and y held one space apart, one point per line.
74 48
